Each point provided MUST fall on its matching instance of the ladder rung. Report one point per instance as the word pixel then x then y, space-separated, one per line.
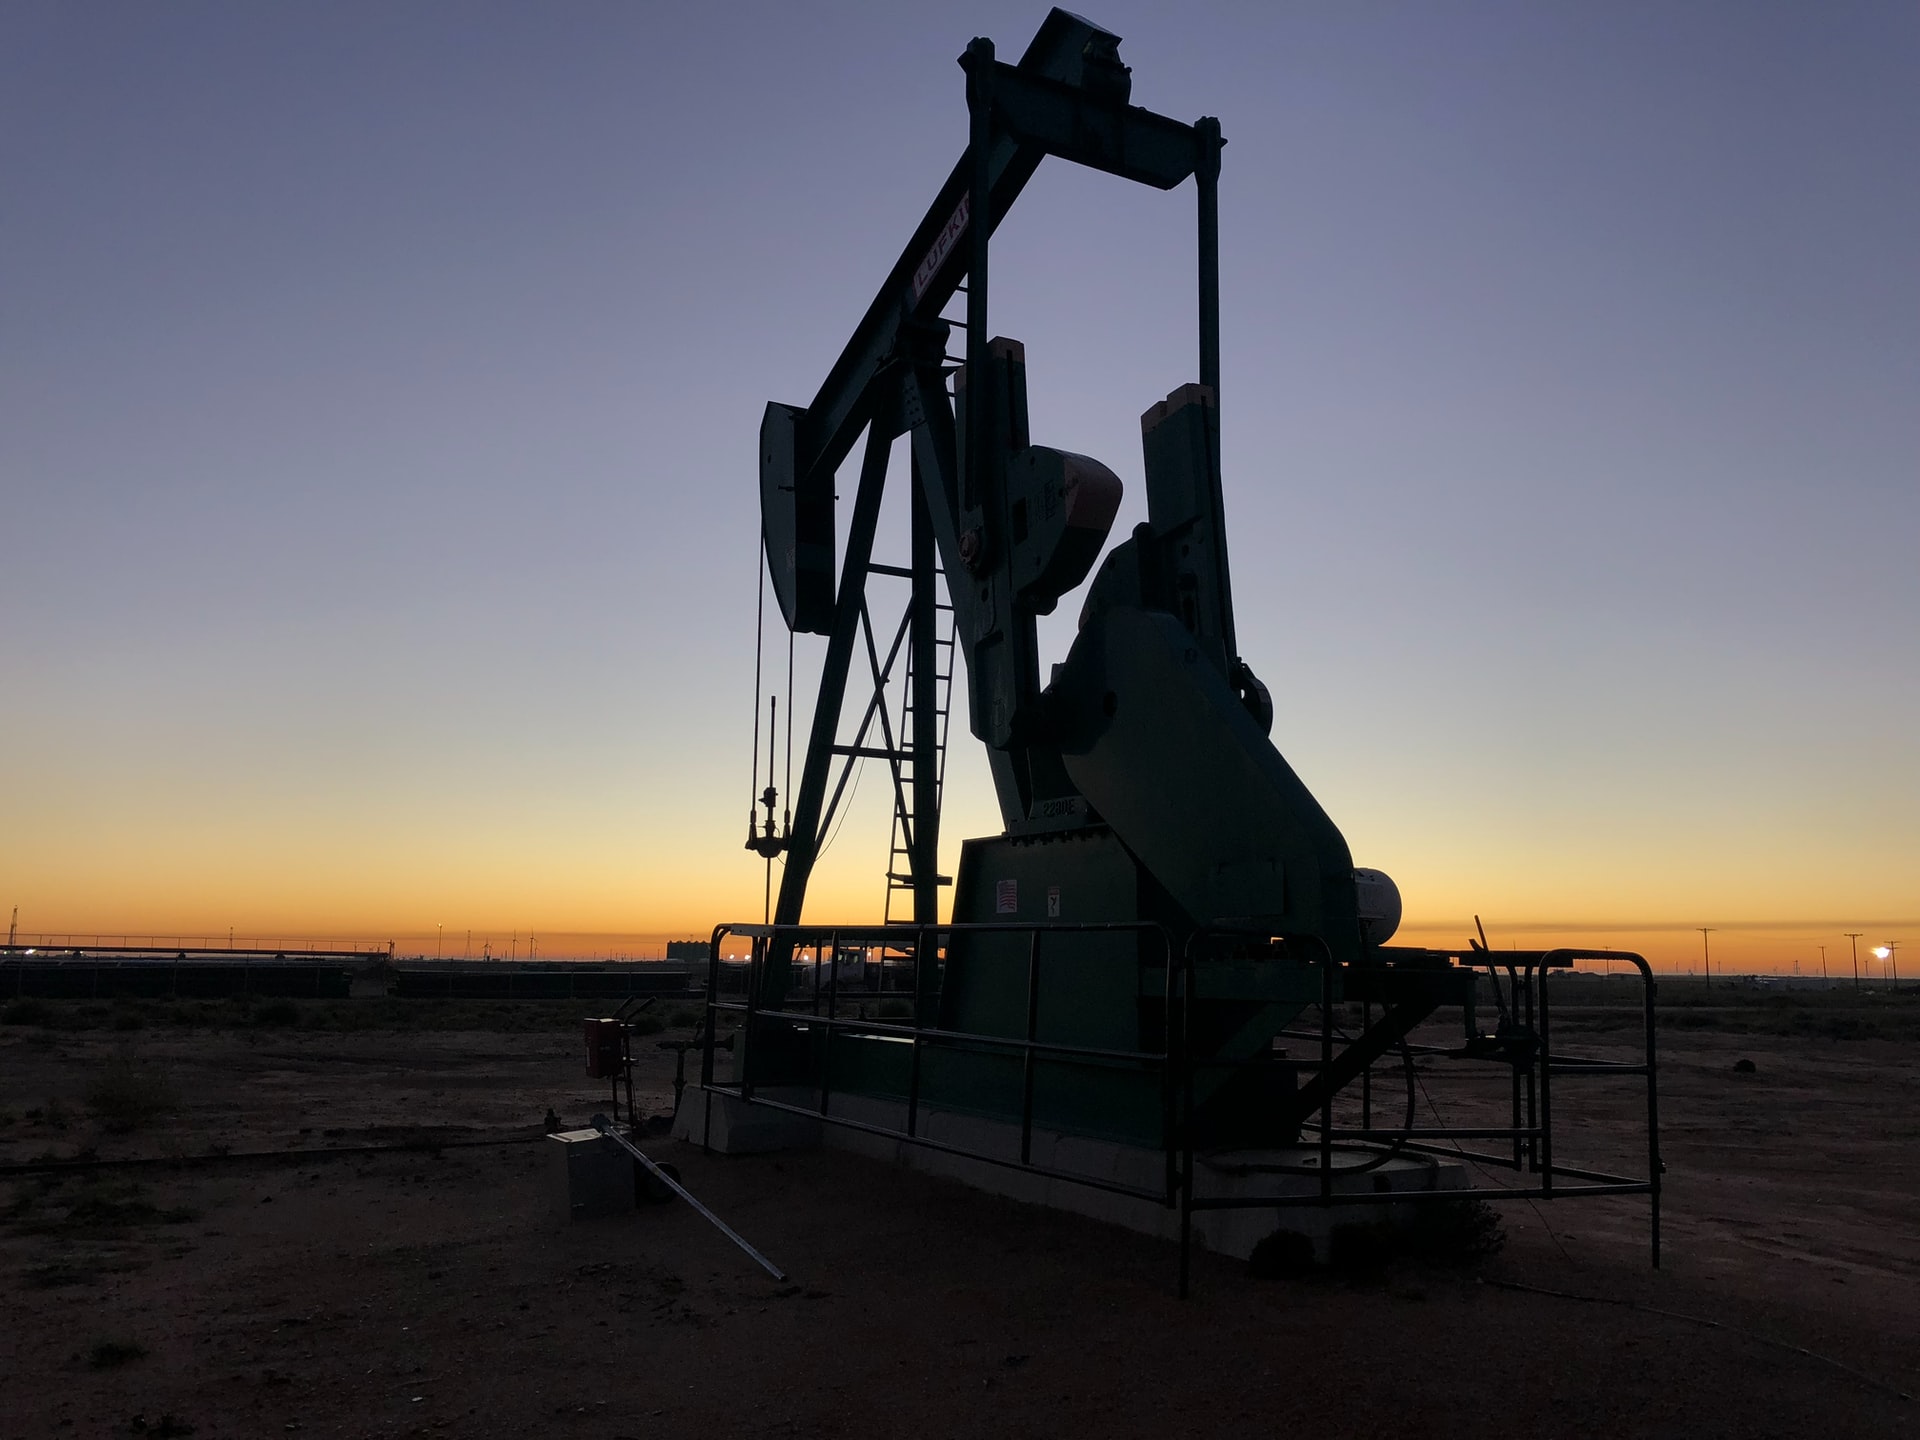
pixel 871 752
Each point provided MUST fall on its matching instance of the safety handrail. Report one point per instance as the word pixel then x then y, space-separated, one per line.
pixel 831 938
pixel 922 947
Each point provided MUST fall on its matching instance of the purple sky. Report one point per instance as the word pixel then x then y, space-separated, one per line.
pixel 379 387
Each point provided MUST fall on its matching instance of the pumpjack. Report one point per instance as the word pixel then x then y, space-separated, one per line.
pixel 1166 886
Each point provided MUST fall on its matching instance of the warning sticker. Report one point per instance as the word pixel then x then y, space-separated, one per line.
pixel 1053 902
pixel 1006 897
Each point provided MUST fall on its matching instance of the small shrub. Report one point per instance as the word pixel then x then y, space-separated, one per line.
pixel 25 1197
pixel 129 1020
pixel 123 1098
pixel 685 1017
pixel 107 1354
pixel 26 1012
pixel 1454 1232
pixel 58 1274
pixel 127 1207
pixel 645 1024
pixel 1447 1232
pixel 1283 1253
pixel 1360 1245
pixel 277 1014
pixel 1845 1027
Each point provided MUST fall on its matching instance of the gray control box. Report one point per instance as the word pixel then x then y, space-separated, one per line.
pixel 589 1175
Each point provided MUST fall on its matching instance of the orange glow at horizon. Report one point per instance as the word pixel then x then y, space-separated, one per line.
pixel 452 899
pixel 593 850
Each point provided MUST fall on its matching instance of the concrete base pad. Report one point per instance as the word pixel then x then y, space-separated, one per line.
pixel 732 1127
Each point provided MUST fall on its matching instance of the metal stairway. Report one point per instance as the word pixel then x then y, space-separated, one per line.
pixel 900 854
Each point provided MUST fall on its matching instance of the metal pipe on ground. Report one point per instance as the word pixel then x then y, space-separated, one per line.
pixel 605 1127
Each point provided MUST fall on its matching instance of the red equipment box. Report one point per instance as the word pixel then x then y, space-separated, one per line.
pixel 606 1049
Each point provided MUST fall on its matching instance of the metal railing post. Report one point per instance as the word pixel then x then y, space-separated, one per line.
pixel 1512 1019
pixel 706 1052
pixel 1546 1083
pixel 1366 1075
pixel 1653 1109
pixel 833 1012
pixel 1026 1055
pixel 1169 1133
pixel 1326 1089
pixel 921 945
pixel 744 1054
pixel 1186 1115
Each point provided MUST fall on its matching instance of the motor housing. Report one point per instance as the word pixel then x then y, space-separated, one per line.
pixel 1379 905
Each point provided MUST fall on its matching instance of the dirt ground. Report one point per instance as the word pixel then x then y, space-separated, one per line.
pixel 432 1291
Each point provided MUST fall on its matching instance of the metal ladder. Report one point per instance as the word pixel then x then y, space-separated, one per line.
pixel 899 857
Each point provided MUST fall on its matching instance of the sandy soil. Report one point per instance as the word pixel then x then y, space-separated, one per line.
pixel 432 1293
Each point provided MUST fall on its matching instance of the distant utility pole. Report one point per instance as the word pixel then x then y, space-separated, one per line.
pixel 1705 955
pixel 13 926
pixel 1823 969
pixel 439 930
pixel 1853 936
pixel 1893 959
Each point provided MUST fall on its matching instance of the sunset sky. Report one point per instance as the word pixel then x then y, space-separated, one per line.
pixel 379 389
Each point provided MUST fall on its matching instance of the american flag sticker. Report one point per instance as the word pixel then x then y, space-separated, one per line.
pixel 1006 897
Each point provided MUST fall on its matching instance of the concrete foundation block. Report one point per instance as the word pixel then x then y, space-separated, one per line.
pixel 726 1124
pixel 1237 1232
pixel 736 1128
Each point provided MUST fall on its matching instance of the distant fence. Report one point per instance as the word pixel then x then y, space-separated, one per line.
pixel 79 975
pixel 539 980
pixel 83 973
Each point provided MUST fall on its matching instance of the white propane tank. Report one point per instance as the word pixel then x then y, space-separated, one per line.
pixel 1379 905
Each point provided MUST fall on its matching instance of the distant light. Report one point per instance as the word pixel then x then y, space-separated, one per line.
pixel 1881 952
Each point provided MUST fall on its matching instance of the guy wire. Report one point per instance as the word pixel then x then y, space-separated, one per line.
pixel 759 629
pixel 787 784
